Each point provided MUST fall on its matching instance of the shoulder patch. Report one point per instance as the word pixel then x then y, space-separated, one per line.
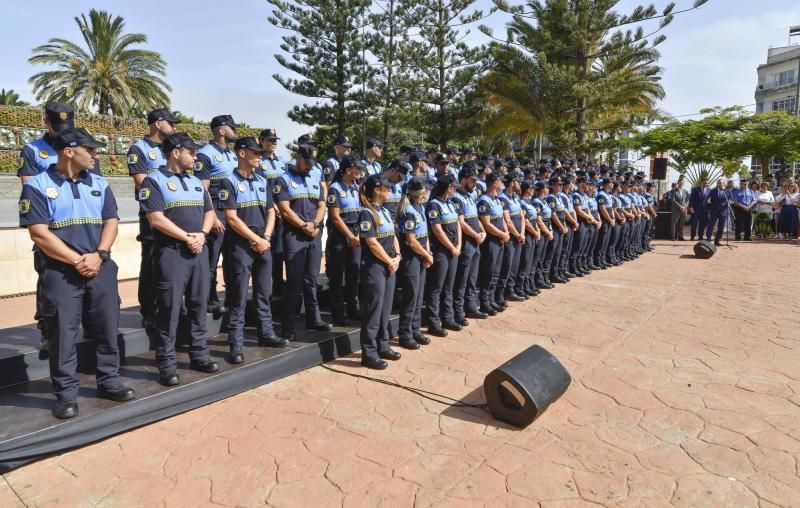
pixel 222 195
pixel 276 189
pixel 133 158
pixel 410 224
pixel 144 194
pixel 332 198
pixel 198 166
pixel 432 214
pixel 365 225
pixel 24 206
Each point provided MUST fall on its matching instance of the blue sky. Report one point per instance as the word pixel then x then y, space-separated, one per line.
pixel 220 55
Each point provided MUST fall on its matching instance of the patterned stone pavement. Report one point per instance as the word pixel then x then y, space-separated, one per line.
pixel 686 392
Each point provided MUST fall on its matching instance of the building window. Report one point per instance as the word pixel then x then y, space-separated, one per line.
pixel 784 78
pixel 788 104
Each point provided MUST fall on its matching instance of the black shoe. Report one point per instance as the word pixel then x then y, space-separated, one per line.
pixel 169 378
pixel 452 326
pixel 514 297
pixel 437 332
pixel 570 275
pixel 463 321
pixel 422 340
pixel 66 409
pixel 477 314
pixel 374 363
pixel 217 309
pixel 557 279
pixel 390 354
pixel 320 326
pixel 489 311
pixel 498 308
pixel 545 285
pixel 408 344
pixel 235 356
pixel 207 366
pixel 289 335
pixel 272 342
pixel 119 393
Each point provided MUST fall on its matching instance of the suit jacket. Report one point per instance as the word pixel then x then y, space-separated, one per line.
pixel 718 201
pixel 697 200
pixel 680 197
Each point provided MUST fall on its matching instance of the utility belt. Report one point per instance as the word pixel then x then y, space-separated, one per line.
pixel 176 245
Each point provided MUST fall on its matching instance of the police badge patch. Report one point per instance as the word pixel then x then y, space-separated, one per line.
pixel 218 158
pixel 222 195
pixel 331 198
pixel 432 214
pixel 276 189
pixel 44 154
pixel 51 192
pixel 144 194
pixel 242 187
pixel 365 225
pixel 152 155
pixel 410 224
pixel 24 206
pixel 172 186
pixel 133 158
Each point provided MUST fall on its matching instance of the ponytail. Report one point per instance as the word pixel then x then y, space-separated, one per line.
pixel 366 203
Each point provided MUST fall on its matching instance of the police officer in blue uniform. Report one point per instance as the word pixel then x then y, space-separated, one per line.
pixel 179 210
pixel 445 236
pixel 273 166
pixel 343 247
pixel 215 161
pixel 560 231
pixel 490 213
pixel 249 213
pixel 465 292
pixel 374 151
pixel 415 259
pixel 535 239
pixel 512 250
pixel 341 148
pixel 380 261
pixel 605 209
pixel 571 221
pixel 615 243
pixel 396 172
pixel 542 264
pixel 300 198
pixel 650 206
pixel 588 255
pixel 145 157
pixel 71 216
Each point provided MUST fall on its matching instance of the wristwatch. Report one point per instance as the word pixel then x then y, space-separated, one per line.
pixel 104 254
pixel 205 234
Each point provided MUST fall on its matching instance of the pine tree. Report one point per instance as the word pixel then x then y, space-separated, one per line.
pixel 326 49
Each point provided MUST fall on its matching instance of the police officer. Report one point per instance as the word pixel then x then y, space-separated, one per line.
pixel 215 161
pixel 415 259
pixel 512 250
pixel 249 213
pixel 542 263
pixel 615 241
pixel 145 157
pixel 71 216
pixel 446 247
pixel 419 167
pixel 605 209
pixel 560 231
pixel 444 167
pixel 343 248
pixel 588 255
pixel 534 240
pixel 341 147
pixel 490 213
pixel 396 172
pixel 571 220
pixel 586 222
pixel 465 291
pixel 180 212
pixel 273 166
pixel 300 198
pixel 650 206
pixel 380 260
pixel 374 151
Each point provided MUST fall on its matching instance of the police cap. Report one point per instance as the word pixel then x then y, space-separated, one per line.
pixel 161 114
pixel 177 140
pixel 307 153
pixel 417 157
pixel 249 143
pixel 400 166
pixel 60 115
pixel 374 142
pixel 72 137
pixel 416 184
pixel 268 134
pixel 343 141
pixel 468 171
pixel 493 177
pixel 373 181
pixel 441 158
pixel 220 120
pixel 349 161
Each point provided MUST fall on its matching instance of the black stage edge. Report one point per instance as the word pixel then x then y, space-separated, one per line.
pixel 28 431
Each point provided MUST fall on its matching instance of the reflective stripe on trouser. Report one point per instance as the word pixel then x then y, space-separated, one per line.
pixel 65 294
pixel 412 277
pixel 439 288
pixel 375 292
pixel 247 264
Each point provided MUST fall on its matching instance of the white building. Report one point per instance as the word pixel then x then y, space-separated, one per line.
pixel 778 86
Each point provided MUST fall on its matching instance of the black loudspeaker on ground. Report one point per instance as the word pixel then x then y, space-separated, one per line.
pixel 521 389
pixel 704 249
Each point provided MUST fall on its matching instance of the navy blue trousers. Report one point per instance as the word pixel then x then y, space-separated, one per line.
pixel 247 264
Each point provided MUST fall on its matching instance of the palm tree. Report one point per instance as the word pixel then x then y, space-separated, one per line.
pixel 10 98
pixel 109 74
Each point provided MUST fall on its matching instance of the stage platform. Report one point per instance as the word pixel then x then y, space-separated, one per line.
pixel 28 431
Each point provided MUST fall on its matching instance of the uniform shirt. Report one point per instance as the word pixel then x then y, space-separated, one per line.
pixel 373 168
pixel 648 200
pixel 466 205
pixel 412 220
pixel 625 201
pixel 480 187
pixel 556 205
pixel 745 197
pixel 513 205
pixel 579 200
pixel 492 207
pixel 180 196
pixel 392 202
pixel 542 208
pixel 347 200
pixel 370 228
pixel 73 210
pixel 272 168
pixel 250 197
pixel 302 192
pixel 144 157
pixel 603 199
pixel 329 168
pixel 593 206
pixel 617 203
pixel 531 213
pixel 215 163
pixel 37 156
pixel 443 213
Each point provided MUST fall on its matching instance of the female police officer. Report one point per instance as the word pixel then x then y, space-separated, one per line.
pixel 179 209
pixel 416 258
pixel 247 204
pixel 512 213
pixel 541 277
pixel 379 262
pixel 446 247
pixel 343 249
pixel 490 212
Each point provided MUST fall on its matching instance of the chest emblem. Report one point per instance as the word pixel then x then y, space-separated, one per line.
pixel 44 154
pixel 294 184
pixel 218 158
pixel 242 187
pixel 51 192
pixel 152 155
pixel 172 186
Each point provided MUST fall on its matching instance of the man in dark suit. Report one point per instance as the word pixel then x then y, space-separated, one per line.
pixel 719 208
pixel 680 203
pixel 698 207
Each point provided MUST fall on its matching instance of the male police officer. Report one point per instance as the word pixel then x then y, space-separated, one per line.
pixel 145 157
pixel 300 198
pixel 247 204
pixel 273 166
pixel 341 147
pixel 465 291
pixel 179 210
pixel 71 216
pixel 216 161
pixel 374 151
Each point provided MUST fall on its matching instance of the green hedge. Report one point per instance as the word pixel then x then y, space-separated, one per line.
pixel 22 124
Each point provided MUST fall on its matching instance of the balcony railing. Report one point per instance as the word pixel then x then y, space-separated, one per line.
pixel 772 85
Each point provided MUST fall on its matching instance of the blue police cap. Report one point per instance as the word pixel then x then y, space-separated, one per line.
pixel 177 140
pixel 220 120
pixel 74 136
pixel 248 143
pixel 161 114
